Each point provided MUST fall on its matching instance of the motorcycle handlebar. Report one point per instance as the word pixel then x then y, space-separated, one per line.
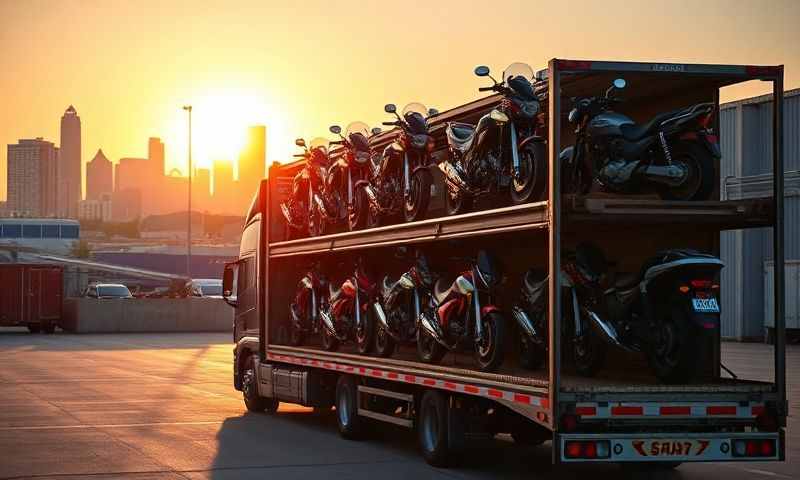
pixel 485 89
pixel 336 142
pixel 391 124
pixel 301 155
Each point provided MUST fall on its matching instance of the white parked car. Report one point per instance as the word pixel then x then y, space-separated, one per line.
pixel 207 287
pixel 108 290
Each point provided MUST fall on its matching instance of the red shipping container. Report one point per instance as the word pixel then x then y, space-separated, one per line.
pixel 31 296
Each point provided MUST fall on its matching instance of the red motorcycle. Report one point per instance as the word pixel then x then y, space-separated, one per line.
pixel 344 317
pixel 464 315
pixel 356 162
pixel 310 299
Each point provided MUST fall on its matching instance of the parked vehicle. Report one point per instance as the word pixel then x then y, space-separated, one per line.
pixel 316 203
pixel 400 182
pixel 108 291
pixel 399 304
pixel 668 311
pixel 506 149
pixel 356 161
pixel 207 287
pixel 461 313
pixel 31 295
pixel 344 314
pixel 309 300
pixel 673 153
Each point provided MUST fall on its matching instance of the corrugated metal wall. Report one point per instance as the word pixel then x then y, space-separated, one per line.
pixel 746 144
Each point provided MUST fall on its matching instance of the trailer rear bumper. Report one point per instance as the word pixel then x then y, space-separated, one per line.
pixel 670 447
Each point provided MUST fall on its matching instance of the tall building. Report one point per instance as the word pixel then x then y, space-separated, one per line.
pixel 69 177
pixel 224 191
pixel 99 176
pixel 252 159
pixel 32 174
pixel 155 153
pixel 201 189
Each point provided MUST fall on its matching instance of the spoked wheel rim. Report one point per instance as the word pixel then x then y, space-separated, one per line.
pixel 693 180
pixel 527 172
pixel 430 429
pixel 486 345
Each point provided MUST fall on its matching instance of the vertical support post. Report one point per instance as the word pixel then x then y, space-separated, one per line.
pixel 554 262
pixel 777 243
pixel 263 266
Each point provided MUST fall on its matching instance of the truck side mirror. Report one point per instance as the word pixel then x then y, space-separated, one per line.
pixel 230 279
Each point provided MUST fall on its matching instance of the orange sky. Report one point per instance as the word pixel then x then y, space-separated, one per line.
pixel 298 67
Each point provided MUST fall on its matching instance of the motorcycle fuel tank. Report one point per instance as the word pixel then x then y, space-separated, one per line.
pixel 608 124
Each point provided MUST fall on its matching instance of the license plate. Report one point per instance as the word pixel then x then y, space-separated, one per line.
pixel 670 448
pixel 705 305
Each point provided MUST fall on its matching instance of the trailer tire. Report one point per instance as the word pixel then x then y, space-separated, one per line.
pixel 347 419
pixel 433 429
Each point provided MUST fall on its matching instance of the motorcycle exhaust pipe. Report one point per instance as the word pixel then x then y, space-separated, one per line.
pixel 327 322
pixel 454 176
pixel 432 328
pixel 372 197
pixel 525 323
pixel 607 331
pixel 670 175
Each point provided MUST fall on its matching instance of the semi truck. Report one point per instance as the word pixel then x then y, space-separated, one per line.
pixel 622 414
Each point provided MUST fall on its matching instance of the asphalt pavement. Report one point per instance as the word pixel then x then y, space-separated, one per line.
pixel 162 406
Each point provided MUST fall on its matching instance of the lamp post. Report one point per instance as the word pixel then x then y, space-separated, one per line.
pixel 188 108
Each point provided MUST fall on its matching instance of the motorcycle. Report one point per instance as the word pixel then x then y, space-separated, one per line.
pixel 344 317
pixel 668 310
pixel 316 201
pixel 673 153
pixel 400 180
pixel 309 300
pixel 356 161
pixel 398 306
pixel 506 149
pixel 463 313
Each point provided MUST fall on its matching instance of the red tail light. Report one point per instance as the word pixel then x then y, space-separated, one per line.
pixel 754 448
pixel 701 284
pixel 588 449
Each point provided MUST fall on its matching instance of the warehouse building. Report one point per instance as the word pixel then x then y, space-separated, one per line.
pixel 746 144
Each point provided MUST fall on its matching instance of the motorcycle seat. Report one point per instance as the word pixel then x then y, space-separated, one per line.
pixel 460 135
pixel 625 281
pixel 633 131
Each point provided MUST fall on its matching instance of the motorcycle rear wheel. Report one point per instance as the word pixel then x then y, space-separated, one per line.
pixel 428 349
pixel 415 205
pixel 699 184
pixel 531 356
pixel 588 353
pixel 679 347
pixel 490 352
pixel 532 184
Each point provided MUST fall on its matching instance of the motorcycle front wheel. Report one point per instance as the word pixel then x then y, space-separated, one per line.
pixel 428 349
pixel 588 353
pixel 316 223
pixel 384 343
pixel 357 217
pixel 699 183
pixel 329 342
pixel 416 203
pixel 490 349
pixel 365 334
pixel 458 203
pixel 531 185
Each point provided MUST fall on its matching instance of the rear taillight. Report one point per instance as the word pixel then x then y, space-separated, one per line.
pixel 701 284
pixel 587 449
pixel 754 447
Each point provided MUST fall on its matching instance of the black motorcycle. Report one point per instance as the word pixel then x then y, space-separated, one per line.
pixel 673 153
pixel 400 181
pixel 310 298
pixel 461 313
pixel 356 162
pixel 506 149
pixel 399 304
pixel 668 310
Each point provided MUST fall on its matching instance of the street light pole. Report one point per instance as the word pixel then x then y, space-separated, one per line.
pixel 188 108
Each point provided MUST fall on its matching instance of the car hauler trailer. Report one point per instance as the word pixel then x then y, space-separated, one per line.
pixel 622 414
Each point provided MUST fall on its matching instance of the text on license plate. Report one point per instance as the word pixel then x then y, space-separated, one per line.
pixel 670 448
pixel 705 305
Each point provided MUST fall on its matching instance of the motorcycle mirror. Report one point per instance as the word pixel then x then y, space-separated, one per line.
pixel 432 112
pixel 376 130
pixel 620 83
pixel 335 129
pixel 300 142
pixel 482 71
pixel 390 108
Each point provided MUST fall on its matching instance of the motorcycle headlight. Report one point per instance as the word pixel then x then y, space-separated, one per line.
pixel 573 115
pixel 419 141
pixel 529 109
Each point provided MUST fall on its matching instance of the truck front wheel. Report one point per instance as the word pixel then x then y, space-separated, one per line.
pixel 252 400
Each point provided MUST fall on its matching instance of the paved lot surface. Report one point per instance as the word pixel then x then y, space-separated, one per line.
pixel 163 407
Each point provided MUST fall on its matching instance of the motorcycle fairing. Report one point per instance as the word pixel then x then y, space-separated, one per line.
pixel 454 306
pixel 671 260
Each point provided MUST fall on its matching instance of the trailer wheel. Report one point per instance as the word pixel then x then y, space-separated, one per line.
pixel 252 400
pixel 432 428
pixel 347 419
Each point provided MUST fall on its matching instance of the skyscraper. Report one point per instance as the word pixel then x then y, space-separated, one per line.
pixel 32 166
pixel 155 153
pixel 223 186
pixel 69 177
pixel 252 160
pixel 99 176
